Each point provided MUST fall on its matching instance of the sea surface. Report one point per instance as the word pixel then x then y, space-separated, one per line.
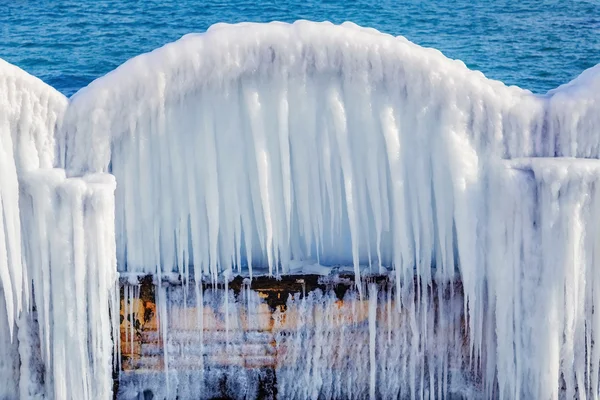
pixel 535 44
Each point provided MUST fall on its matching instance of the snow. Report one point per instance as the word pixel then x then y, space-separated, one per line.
pixel 277 148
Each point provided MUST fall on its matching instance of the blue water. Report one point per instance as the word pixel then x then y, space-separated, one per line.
pixel 535 44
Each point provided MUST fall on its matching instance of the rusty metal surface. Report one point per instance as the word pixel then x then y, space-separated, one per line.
pixel 208 339
pixel 250 338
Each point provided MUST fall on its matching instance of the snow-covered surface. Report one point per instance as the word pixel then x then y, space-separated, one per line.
pixel 269 145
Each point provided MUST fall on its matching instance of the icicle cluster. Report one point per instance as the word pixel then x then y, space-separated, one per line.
pixel 303 142
pixel 57 255
pixel 254 147
pixel 317 346
pixel 29 112
pixel 544 276
pixel 68 227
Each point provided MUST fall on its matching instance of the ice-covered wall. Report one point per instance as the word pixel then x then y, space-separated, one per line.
pixel 327 344
pixel 543 278
pixel 255 147
pixel 57 255
pixel 29 113
pixel 263 144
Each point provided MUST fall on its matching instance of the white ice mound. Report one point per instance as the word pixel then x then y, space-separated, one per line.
pixel 262 144
pixel 543 278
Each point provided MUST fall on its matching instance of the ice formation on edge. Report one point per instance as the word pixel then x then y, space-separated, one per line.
pixel 544 259
pixel 319 347
pixel 257 146
pixel 57 255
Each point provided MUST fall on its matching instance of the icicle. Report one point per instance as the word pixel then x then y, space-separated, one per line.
pixel 200 320
pixel 372 337
pixel 161 303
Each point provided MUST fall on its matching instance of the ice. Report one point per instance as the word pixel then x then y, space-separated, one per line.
pixel 69 229
pixel 319 144
pixel 317 346
pixel 307 147
pixel 309 142
pixel 326 349
pixel 29 114
pixel 372 339
pixel 9 362
pixel 45 222
pixel 543 277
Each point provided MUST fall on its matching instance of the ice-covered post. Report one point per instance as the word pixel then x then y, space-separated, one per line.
pixel 70 251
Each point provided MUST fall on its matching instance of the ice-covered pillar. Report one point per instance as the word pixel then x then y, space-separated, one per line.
pixel 9 360
pixel 30 111
pixel 544 277
pixel 70 252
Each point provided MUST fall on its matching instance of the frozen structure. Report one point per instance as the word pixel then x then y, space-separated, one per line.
pixel 257 148
pixel 57 255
